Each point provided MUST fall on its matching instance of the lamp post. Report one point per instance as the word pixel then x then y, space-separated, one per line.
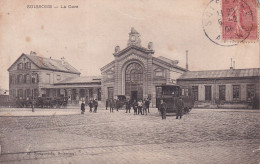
pixel 32 75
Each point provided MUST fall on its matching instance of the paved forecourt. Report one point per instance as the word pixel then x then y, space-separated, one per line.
pixel 203 136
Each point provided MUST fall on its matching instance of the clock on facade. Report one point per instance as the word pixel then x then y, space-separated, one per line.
pixel 133 38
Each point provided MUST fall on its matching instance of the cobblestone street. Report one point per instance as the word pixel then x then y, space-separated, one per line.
pixel 202 136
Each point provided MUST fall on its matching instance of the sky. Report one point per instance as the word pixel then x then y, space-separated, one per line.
pixel 86 36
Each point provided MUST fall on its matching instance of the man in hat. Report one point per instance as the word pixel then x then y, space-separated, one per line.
pixel 180 106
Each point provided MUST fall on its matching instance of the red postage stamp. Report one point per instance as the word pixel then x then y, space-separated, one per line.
pixel 239 20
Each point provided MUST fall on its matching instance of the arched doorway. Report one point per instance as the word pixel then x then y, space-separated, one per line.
pixel 134 81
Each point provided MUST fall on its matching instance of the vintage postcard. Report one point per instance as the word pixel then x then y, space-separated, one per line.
pixel 129 81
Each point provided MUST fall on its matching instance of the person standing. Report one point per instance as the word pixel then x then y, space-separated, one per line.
pixel 144 108
pixel 117 104
pixel 135 105
pixel 82 107
pixel 140 105
pixel 107 103
pixel 179 106
pixel 95 103
pixel 90 105
pixel 112 104
pixel 128 106
pixel 163 108
pixel 147 104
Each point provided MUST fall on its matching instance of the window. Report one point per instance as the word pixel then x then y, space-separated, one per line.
pixel 222 92
pixel 82 93
pixel 236 92
pixel 158 72
pixel 58 77
pixel 11 80
pixel 48 78
pixel 20 93
pixel 27 65
pixel 195 92
pixel 99 94
pixel 90 93
pixel 27 93
pixel 35 78
pixel 250 92
pixel 13 94
pixel 27 79
pixel 208 93
pixel 19 79
pixel 182 92
pixel 20 66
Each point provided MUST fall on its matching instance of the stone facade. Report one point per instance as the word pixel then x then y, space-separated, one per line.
pixel 146 72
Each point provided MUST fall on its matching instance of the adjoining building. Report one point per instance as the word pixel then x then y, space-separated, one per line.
pixel 232 88
pixel 36 76
pixel 135 72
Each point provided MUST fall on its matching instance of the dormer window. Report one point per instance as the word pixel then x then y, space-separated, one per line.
pixel 27 65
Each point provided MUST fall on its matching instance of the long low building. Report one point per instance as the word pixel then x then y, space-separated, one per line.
pixel 33 75
pixel 232 88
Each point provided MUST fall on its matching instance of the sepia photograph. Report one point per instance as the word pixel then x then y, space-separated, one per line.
pixel 130 81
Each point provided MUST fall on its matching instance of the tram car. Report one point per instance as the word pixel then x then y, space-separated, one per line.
pixel 171 93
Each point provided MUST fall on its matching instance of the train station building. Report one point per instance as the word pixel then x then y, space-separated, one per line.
pixel 135 72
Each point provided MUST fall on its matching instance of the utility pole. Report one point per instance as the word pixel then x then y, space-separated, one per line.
pixel 32 93
pixel 187 66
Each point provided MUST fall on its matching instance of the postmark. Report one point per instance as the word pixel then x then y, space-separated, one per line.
pixel 229 22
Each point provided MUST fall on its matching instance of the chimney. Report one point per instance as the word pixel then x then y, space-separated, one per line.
pixel 62 60
pixel 231 64
pixel 187 66
pixel 33 53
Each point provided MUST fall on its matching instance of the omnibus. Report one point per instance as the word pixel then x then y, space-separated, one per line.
pixel 171 93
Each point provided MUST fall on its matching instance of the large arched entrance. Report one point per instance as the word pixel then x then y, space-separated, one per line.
pixel 134 81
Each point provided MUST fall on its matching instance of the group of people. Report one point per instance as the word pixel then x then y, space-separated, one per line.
pixel 92 104
pixel 179 106
pixel 140 107
pixel 113 103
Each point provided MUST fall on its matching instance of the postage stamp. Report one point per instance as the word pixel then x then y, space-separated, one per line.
pixel 239 20
pixel 229 22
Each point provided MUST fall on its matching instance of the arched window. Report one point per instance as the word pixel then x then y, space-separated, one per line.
pixel 134 81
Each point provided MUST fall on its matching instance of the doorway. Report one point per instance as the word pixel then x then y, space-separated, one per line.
pixel 133 95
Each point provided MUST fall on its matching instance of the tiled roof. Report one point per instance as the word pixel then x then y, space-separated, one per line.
pixel 80 80
pixel 212 74
pixel 52 64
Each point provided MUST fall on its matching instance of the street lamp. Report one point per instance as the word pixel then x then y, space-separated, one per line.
pixel 32 76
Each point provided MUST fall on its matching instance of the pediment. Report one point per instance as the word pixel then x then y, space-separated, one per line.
pixel 133 48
